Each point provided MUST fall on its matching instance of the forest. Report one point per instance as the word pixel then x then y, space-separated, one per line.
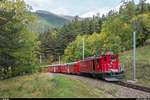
pixel 113 30
pixel 20 47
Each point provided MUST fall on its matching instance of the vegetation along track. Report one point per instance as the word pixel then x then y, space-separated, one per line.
pixel 134 86
pixel 122 84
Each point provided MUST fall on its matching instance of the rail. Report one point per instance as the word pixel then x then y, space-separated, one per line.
pixel 134 86
pixel 128 85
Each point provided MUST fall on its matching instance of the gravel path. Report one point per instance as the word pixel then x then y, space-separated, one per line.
pixel 111 90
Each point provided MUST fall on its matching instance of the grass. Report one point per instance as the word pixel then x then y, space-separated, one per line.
pixel 142 64
pixel 112 92
pixel 46 85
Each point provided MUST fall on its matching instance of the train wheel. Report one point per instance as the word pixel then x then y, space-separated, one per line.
pixel 79 74
pixel 94 76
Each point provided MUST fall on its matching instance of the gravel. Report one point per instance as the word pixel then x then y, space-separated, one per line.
pixel 110 89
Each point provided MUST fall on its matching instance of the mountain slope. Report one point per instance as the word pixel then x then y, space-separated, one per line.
pixel 54 19
pixel 142 64
pixel 47 20
pixel 71 17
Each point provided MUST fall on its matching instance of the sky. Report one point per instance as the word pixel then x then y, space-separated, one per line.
pixel 82 8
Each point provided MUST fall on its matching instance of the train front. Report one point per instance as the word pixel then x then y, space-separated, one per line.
pixel 112 71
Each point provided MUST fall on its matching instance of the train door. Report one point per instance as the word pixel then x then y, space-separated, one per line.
pixel 105 64
pixel 54 68
pixel 68 68
pixel 93 65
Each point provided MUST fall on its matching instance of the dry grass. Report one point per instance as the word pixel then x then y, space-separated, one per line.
pixel 46 85
pixel 142 64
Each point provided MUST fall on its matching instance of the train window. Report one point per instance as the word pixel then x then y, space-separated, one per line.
pixel 97 61
pixel 113 59
pixel 105 59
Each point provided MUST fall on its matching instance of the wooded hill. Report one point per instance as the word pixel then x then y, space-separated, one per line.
pixel 46 20
pixel 111 31
pixel 20 46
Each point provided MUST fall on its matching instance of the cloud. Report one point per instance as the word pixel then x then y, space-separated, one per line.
pixel 147 1
pixel 38 4
pixel 93 13
pixel 101 11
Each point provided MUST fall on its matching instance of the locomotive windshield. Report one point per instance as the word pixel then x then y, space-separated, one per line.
pixel 113 59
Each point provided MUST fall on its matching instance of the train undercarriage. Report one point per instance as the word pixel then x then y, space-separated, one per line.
pixel 108 76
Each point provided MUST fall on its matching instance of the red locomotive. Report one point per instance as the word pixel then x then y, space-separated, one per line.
pixel 104 66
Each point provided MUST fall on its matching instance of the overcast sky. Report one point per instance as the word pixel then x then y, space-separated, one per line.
pixel 82 8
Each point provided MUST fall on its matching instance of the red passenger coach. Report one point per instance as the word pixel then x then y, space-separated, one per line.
pixel 54 68
pixel 57 68
pixel 73 68
pixel 104 66
pixel 64 68
pixel 48 68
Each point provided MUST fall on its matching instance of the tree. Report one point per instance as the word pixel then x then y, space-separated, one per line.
pixel 18 45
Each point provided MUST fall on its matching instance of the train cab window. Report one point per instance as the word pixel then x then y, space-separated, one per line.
pixel 105 59
pixel 113 59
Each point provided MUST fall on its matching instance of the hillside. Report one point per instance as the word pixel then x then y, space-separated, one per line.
pixel 48 20
pixel 46 85
pixel 72 17
pixel 142 64
pixel 54 19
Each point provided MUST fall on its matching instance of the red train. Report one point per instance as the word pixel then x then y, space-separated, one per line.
pixel 104 66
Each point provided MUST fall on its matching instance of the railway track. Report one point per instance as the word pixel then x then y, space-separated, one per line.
pixel 128 85
pixel 134 86
pixel 111 89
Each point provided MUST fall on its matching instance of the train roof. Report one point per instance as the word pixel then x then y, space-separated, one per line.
pixel 96 57
pixel 89 58
pixel 51 65
pixel 70 63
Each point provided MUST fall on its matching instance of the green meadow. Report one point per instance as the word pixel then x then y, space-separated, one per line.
pixel 46 85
